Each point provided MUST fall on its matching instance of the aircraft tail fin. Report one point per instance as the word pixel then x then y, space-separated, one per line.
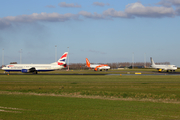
pixel 87 63
pixel 63 58
pixel 152 62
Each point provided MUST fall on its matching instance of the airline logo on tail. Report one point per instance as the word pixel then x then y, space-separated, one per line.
pixel 63 58
pixel 87 63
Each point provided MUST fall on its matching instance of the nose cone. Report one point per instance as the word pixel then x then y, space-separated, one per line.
pixel 108 67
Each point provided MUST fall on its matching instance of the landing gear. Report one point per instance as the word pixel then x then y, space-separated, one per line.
pixel 171 71
pixel 35 72
pixel 7 73
pixel 100 69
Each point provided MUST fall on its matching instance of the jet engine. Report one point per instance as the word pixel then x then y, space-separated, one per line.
pixel 25 70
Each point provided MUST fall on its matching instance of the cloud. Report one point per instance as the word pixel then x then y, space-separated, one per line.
pixel 90 15
pixel 71 5
pixel 113 13
pixel 132 10
pixel 178 11
pixel 51 6
pixel 169 3
pixel 97 52
pixel 139 10
pixel 100 4
pixel 35 17
pixel 4 24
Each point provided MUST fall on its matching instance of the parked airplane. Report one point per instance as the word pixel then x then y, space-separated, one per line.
pixel 163 67
pixel 97 67
pixel 35 68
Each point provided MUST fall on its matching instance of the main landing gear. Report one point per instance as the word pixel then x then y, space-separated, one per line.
pixel 35 72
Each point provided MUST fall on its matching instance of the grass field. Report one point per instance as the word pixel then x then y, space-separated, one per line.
pixel 89 97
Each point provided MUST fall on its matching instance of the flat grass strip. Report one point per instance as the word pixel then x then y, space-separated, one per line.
pixel 128 87
pixel 68 108
pixel 90 97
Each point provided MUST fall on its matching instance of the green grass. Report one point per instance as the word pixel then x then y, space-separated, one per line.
pixel 101 97
pixel 150 87
pixel 45 108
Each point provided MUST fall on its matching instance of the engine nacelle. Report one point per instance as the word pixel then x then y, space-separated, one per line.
pixel 65 65
pixel 24 70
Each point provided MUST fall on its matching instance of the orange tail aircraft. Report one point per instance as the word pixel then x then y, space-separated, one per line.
pixel 97 67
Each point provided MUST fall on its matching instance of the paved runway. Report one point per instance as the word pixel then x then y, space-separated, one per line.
pixel 46 74
pixel 143 74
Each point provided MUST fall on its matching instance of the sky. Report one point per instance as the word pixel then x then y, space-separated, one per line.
pixel 104 31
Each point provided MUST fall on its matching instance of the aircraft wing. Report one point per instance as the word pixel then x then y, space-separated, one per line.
pixel 32 69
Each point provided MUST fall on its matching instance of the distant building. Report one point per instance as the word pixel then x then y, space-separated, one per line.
pixel 130 67
pixel 13 62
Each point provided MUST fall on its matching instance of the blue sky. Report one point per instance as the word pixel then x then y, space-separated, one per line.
pixel 104 31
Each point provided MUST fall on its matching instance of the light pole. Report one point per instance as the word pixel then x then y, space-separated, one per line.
pixel 68 59
pixel 2 57
pixel 145 60
pixel 20 56
pixel 55 53
pixel 133 60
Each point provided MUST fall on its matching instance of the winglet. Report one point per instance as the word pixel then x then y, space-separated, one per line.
pixel 87 63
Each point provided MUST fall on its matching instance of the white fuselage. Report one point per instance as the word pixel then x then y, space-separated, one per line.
pixel 38 67
pixel 101 67
pixel 164 67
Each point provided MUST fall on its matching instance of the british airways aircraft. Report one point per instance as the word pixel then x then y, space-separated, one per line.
pixel 97 67
pixel 35 68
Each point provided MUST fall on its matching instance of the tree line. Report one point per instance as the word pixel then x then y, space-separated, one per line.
pixel 118 65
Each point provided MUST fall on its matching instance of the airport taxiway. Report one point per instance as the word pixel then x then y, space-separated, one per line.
pixel 155 74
